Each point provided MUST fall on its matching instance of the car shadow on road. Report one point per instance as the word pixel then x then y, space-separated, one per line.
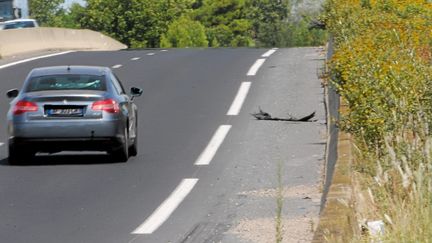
pixel 61 159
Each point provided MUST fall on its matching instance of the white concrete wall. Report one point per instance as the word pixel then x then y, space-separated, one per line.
pixel 19 41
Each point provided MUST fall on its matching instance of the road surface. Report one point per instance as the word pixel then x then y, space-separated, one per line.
pixel 206 171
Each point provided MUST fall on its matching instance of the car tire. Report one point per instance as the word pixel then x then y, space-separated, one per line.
pixel 121 154
pixel 19 156
pixel 133 149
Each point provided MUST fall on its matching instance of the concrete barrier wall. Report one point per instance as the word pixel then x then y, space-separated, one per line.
pixel 19 41
pixel 338 219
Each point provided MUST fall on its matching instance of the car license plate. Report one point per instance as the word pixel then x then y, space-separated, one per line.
pixel 65 112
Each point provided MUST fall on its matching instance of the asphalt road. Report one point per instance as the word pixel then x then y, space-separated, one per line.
pixel 187 94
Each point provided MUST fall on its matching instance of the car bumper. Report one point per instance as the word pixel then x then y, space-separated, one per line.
pixel 67 129
pixel 67 135
pixel 75 144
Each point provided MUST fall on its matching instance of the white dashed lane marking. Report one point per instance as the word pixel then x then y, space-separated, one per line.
pixel 117 66
pixel 254 69
pixel 164 211
pixel 269 53
pixel 239 99
pixel 135 58
pixel 210 151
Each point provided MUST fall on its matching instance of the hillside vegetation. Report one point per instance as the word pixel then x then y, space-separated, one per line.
pixel 190 23
pixel 382 69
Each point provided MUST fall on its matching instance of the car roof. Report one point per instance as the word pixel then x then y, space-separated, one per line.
pixel 58 70
pixel 19 20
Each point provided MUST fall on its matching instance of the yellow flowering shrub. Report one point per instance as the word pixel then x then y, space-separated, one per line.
pixel 382 61
pixel 382 68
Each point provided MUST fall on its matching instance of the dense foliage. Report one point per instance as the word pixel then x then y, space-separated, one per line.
pixel 184 32
pixel 382 62
pixel 382 69
pixel 186 23
pixel 45 11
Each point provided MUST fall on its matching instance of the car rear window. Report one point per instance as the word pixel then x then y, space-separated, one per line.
pixel 19 25
pixel 66 82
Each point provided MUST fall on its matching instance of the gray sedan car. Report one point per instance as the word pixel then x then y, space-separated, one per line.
pixel 72 108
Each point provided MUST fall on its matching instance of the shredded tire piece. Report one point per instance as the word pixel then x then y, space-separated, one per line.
pixel 261 115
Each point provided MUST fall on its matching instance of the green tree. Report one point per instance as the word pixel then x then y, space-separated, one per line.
pixel 270 20
pixel 137 23
pixel 152 23
pixel 71 18
pixel 185 32
pixel 45 11
pixel 300 33
pixel 225 21
pixel 173 9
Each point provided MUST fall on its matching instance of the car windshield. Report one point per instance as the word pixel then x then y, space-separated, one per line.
pixel 66 82
pixel 19 25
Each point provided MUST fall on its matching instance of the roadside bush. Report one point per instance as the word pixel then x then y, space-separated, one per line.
pixel 382 59
pixel 381 68
pixel 184 32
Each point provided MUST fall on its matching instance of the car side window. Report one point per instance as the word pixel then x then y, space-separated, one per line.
pixel 117 84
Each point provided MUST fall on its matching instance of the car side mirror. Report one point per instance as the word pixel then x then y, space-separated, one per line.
pixel 12 93
pixel 135 92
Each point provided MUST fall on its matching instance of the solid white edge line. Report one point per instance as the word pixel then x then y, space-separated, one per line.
pixel 117 66
pixel 269 53
pixel 239 99
pixel 210 151
pixel 34 58
pixel 164 211
pixel 254 69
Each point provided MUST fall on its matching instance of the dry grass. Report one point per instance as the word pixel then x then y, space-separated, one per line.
pixel 400 189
